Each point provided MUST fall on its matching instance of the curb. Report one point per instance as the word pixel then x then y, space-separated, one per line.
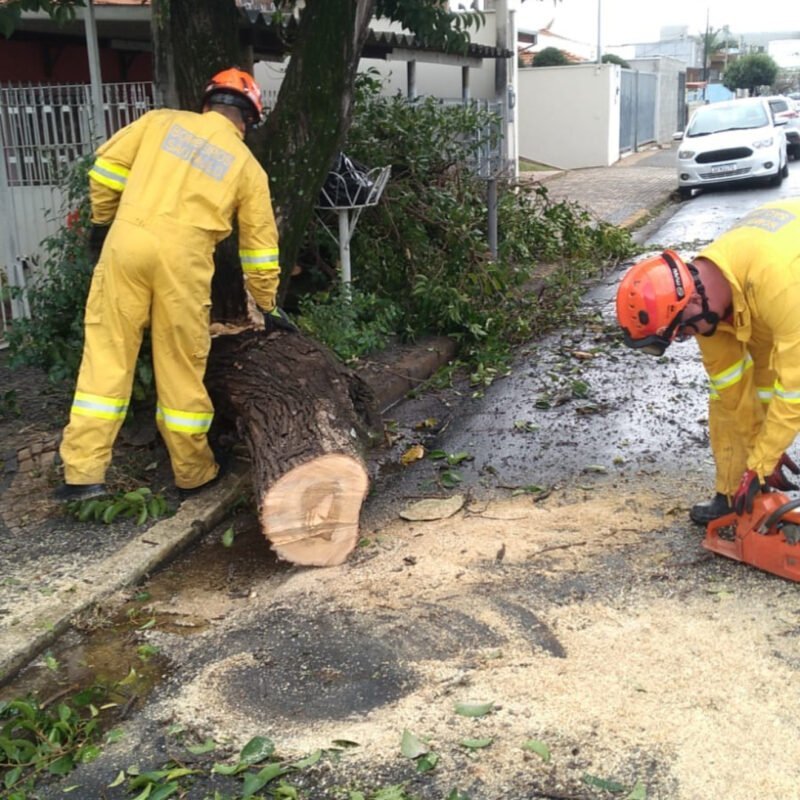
pixel 149 550
pixel 23 642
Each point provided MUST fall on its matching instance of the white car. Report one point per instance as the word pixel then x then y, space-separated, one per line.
pixel 731 142
pixel 785 108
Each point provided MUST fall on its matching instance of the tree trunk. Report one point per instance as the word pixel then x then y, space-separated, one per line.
pixel 192 40
pixel 305 418
pixel 305 130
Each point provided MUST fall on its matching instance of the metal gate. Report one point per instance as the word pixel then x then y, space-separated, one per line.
pixel 43 131
pixel 637 109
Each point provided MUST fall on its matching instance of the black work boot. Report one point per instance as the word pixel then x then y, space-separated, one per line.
pixel 79 491
pixel 703 513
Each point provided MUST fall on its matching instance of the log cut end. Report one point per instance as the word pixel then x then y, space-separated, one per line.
pixel 310 514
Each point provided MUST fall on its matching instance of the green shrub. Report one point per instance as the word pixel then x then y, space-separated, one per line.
pixel 424 248
pixel 350 322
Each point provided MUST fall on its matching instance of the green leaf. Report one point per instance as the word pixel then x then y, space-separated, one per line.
pixel 228 769
pixel 601 783
pixel 227 537
pixel 198 749
pixel 450 478
pixel 394 792
pixel 258 749
pixel 308 761
pixel 118 780
pixel 162 792
pixel 475 744
pixel 61 766
pixel 639 792
pixel 427 762
pixel 145 793
pixel 540 748
pixel 411 746
pixel 255 781
pixel 114 735
pixel 473 709
pixel 12 776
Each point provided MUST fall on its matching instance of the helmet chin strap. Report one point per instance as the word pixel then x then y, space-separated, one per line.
pixel 706 315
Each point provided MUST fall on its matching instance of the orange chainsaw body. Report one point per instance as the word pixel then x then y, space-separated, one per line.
pixel 764 538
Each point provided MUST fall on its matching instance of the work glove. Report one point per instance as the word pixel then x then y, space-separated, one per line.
pixel 778 480
pixel 278 320
pixel 749 487
pixel 97 236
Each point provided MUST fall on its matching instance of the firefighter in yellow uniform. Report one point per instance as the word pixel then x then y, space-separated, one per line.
pixel 740 298
pixel 171 183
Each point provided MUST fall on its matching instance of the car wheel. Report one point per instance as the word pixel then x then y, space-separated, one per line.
pixel 785 170
pixel 685 192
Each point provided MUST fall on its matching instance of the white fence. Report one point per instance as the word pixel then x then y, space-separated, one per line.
pixel 43 131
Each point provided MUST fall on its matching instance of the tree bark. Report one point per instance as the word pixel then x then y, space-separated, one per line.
pixel 191 42
pixel 306 420
pixel 305 130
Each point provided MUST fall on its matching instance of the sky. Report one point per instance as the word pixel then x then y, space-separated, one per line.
pixel 635 21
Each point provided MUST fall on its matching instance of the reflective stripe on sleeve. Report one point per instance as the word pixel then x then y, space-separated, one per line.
pixel 185 421
pixel 95 405
pixel 109 174
pixel 764 394
pixel 785 395
pixel 733 374
pixel 259 260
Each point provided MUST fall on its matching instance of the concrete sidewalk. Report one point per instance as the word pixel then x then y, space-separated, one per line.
pixel 54 572
pixel 623 194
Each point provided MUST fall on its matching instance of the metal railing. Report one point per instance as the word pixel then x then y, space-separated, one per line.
pixel 44 129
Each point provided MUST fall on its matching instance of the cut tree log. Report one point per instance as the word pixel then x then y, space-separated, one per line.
pixel 306 419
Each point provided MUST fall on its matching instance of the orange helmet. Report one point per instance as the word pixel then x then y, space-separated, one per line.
pixel 236 87
pixel 650 299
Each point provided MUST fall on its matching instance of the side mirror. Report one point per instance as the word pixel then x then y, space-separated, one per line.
pixel 677 136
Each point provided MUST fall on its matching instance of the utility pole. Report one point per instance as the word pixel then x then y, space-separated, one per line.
pixel 99 132
pixel 705 59
pixel 599 31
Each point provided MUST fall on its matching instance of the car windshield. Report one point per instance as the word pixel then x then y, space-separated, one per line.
pixel 728 118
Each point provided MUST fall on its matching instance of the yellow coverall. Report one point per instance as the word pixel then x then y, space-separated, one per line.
pixel 171 182
pixel 753 364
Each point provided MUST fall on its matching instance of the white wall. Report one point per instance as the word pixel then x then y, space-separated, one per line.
pixel 568 117
pixel 438 80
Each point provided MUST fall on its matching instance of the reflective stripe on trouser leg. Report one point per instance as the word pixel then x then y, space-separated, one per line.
pixel 181 342
pixel 112 341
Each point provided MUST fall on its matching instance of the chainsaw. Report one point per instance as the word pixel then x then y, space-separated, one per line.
pixel 767 538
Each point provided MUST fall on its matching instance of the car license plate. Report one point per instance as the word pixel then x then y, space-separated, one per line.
pixel 721 169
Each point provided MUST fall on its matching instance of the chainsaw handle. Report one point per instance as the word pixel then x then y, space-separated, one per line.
pixel 776 515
